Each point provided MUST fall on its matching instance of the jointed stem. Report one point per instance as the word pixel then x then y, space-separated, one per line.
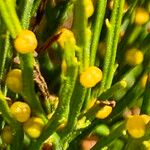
pixel 112 41
pixel 81 33
pixel 3 56
pixel 76 104
pixel 12 13
pixel 7 18
pixel 27 14
pixel 96 28
pixel 61 114
pixel 29 94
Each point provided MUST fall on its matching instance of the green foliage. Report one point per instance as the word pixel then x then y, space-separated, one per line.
pixel 51 75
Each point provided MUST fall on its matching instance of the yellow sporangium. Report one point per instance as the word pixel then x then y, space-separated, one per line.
pixel 89 8
pixel 66 35
pixel 33 127
pixel 14 80
pixel 90 77
pixel 146 118
pixel 144 80
pixel 25 42
pixel 134 57
pixel 141 16
pixel 20 111
pixel 136 126
pixel 104 112
pixel 7 135
pixel 147 144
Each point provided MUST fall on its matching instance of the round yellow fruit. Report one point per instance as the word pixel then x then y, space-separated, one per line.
pixel 14 80
pixel 141 16
pixel 104 112
pixel 20 111
pixel 136 126
pixel 89 8
pixel 7 135
pixel 134 57
pixel 33 127
pixel 66 35
pixel 90 77
pixel 25 42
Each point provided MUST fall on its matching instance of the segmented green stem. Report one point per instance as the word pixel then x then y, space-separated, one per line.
pixel 27 14
pixel 129 98
pixel 97 27
pixel 76 104
pixel 61 113
pixel 13 15
pixel 133 144
pixel 3 56
pixel 29 94
pixel 110 92
pixel 7 19
pixel 112 42
pixel 55 139
pixel 35 7
pixel 81 33
pixel 67 137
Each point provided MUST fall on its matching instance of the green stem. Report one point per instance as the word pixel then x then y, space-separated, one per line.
pixel 76 104
pixel 7 19
pixel 133 36
pixel 3 56
pixel 66 93
pixel 129 98
pixel 29 94
pixel 96 28
pixel 12 12
pixel 80 22
pixel 27 14
pixel 80 31
pixel 86 49
pixel 56 141
pixel 4 109
pixel 87 99
pixel 133 144
pixel 61 113
pixel 16 127
pixel 35 7
pixel 71 134
pixel 111 91
pixel 112 41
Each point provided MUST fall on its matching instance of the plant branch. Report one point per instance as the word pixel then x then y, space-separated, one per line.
pixel 112 42
pixel 97 27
